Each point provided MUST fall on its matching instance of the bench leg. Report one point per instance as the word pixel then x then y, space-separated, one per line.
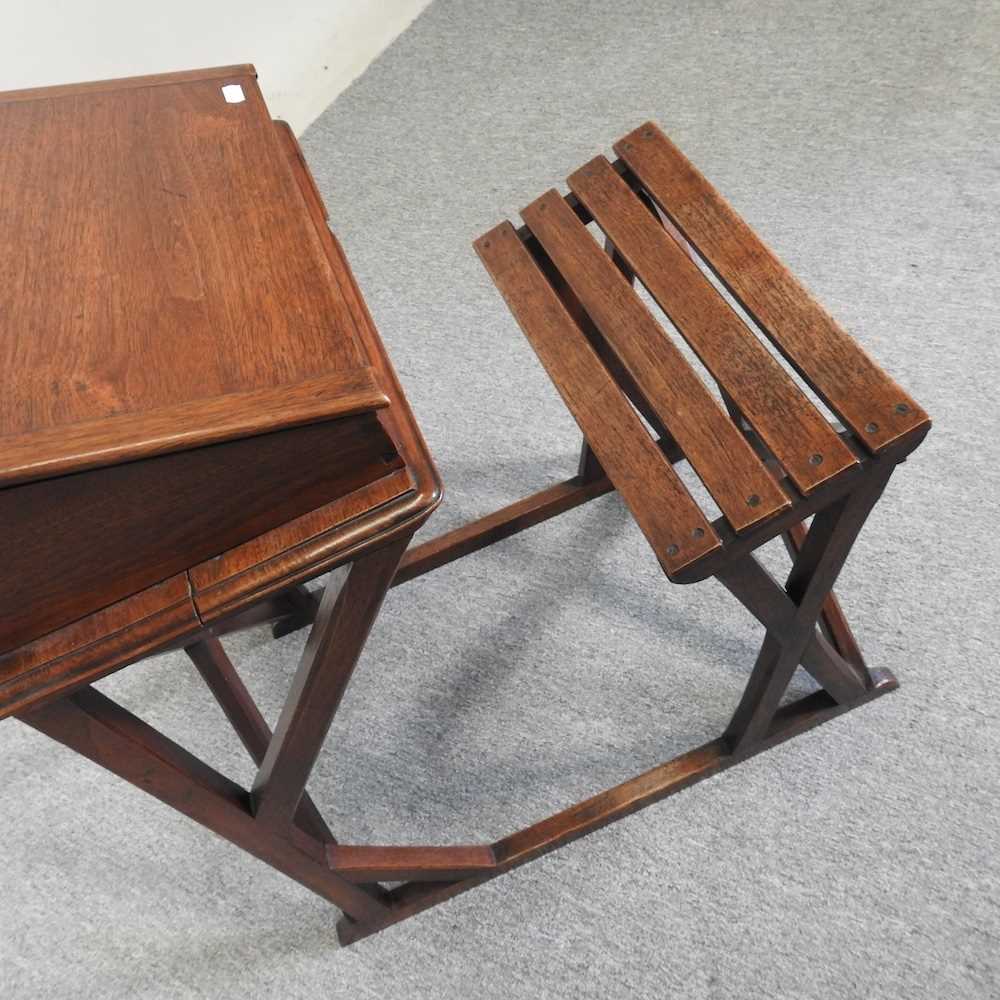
pixel 770 604
pixel 832 618
pixel 833 621
pixel 824 551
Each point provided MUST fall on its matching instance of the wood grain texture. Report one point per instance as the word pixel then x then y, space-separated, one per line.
pixel 302 548
pixel 797 433
pixel 96 524
pixel 58 450
pixel 96 645
pixel 397 418
pixel 372 863
pixel 115 531
pixel 615 368
pixel 128 83
pixel 717 451
pixel 864 397
pixel 154 252
pixel 674 525
pixel 347 527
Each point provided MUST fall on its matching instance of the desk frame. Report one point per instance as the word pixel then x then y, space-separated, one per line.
pixel 276 821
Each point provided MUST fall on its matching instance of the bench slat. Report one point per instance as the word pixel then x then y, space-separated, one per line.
pixel 717 451
pixel 670 519
pixel 797 433
pixel 868 401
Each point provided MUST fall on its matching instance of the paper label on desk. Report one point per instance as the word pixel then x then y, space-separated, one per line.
pixel 233 93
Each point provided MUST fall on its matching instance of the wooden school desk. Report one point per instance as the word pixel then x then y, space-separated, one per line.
pixel 198 417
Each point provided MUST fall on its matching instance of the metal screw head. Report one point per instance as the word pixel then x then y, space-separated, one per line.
pixel 902 408
pixel 672 550
pixel 816 459
pixel 486 244
pixel 871 428
pixel 648 133
pixel 627 145
pixel 698 533
pixel 753 500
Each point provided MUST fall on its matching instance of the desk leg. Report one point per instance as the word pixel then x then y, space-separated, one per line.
pixel 819 561
pixel 306 606
pixel 276 822
pixel 244 716
pixel 335 643
pixel 101 730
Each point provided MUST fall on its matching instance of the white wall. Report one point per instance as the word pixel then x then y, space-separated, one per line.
pixel 306 51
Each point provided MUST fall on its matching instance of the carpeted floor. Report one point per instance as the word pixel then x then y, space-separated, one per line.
pixel 861 860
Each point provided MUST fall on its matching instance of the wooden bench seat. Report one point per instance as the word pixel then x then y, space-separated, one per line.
pixel 553 270
pixel 747 412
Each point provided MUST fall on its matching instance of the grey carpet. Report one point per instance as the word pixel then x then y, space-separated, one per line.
pixel 859 861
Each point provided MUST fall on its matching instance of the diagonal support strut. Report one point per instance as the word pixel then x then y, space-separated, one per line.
pixel 342 625
pixel 823 554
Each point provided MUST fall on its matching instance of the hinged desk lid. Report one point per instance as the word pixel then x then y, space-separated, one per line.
pixel 161 283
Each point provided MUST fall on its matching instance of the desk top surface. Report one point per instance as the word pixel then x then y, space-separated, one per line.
pixel 163 285
pixel 197 410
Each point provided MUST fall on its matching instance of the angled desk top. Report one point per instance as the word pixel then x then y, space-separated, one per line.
pixel 197 410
